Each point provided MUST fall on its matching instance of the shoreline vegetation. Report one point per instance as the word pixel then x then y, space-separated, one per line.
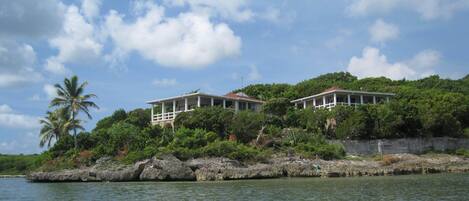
pixel 429 107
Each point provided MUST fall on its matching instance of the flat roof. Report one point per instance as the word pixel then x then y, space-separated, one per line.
pixel 342 91
pixel 248 99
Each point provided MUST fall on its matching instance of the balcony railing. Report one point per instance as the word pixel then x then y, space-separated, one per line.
pixel 167 116
pixel 331 105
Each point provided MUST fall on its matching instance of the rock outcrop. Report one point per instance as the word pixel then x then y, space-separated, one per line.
pixel 209 169
pixel 169 168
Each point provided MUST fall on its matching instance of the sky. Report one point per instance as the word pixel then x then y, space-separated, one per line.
pixel 134 51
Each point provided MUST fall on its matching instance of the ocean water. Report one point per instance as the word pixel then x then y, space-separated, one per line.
pixel 409 187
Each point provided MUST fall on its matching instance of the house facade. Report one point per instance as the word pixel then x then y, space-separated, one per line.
pixel 164 111
pixel 336 96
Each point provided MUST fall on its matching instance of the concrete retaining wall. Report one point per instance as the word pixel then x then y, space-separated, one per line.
pixel 403 145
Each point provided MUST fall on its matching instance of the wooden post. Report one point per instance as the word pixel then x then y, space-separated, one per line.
pixel 349 101
pixel 186 105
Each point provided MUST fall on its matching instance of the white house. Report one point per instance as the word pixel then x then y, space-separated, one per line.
pixel 164 111
pixel 335 96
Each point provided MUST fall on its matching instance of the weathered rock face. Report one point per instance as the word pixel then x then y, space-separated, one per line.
pixel 209 169
pixel 167 168
pixel 104 170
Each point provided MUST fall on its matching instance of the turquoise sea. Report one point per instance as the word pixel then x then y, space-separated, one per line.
pixel 409 187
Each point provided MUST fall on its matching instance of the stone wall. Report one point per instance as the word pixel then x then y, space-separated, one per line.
pixel 403 145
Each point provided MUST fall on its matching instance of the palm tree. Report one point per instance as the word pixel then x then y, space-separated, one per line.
pixel 71 98
pixel 56 125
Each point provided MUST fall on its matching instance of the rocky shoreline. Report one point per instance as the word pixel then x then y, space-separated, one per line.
pixel 169 168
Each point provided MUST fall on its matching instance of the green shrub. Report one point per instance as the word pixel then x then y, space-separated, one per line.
pixel 246 125
pixel 215 119
pixel 462 152
pixel 231 150
pixel 190 138
pixel 324 151
pixel 277 106
pixel 273 131
pixel 466 133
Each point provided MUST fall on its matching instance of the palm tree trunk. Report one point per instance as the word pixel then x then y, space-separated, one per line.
pixel 74 130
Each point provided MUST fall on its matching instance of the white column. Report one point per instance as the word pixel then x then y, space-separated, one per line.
pixel 335 99
pixel 198 101
pixel 174 109
pixel 224 103
pixel 211 101
pixel 374 99
pixel 304 104
pixel 324 101
pixel 314 102
pixel 236 106
pixel 361 99
pixel 152 107
pixel 296 105
pixel 186 105
pixel 162 110
pixel 387 99
pixel 349 100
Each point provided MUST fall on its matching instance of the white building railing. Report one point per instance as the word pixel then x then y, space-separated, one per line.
pixel 331 105
pixel 167 116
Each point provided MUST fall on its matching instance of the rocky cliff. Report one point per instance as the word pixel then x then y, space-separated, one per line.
pixel 169 168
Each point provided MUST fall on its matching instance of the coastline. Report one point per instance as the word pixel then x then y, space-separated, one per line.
pixel 12 176
pixel 169 168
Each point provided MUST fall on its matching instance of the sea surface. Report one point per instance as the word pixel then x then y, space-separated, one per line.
pixel 409 187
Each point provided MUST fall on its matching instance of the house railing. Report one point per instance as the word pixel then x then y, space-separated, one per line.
pixel 331 105
pixel 167 116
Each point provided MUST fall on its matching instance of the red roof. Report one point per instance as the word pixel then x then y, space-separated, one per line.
pixel 332 89
pixel 241 95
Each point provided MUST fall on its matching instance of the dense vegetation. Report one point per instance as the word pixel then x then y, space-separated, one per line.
pixel 422 108
pixel 18 164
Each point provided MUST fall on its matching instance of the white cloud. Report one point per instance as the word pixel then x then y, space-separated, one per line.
pixel 28 18
pixel 235 10
pixel 165 82
pixel 50 91
pixel 381 31
pixel 5 109
pixel 425 59
pixel 189 40
pixel 254 73
pixel 90 8
pixel 54 66
pixel 10 119
pixel 16 64
pixel 373 64
pixel 427 9
pixel 77 42
pixel 25 143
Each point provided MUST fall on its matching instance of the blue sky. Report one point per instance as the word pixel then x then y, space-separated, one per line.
pixel 134 51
